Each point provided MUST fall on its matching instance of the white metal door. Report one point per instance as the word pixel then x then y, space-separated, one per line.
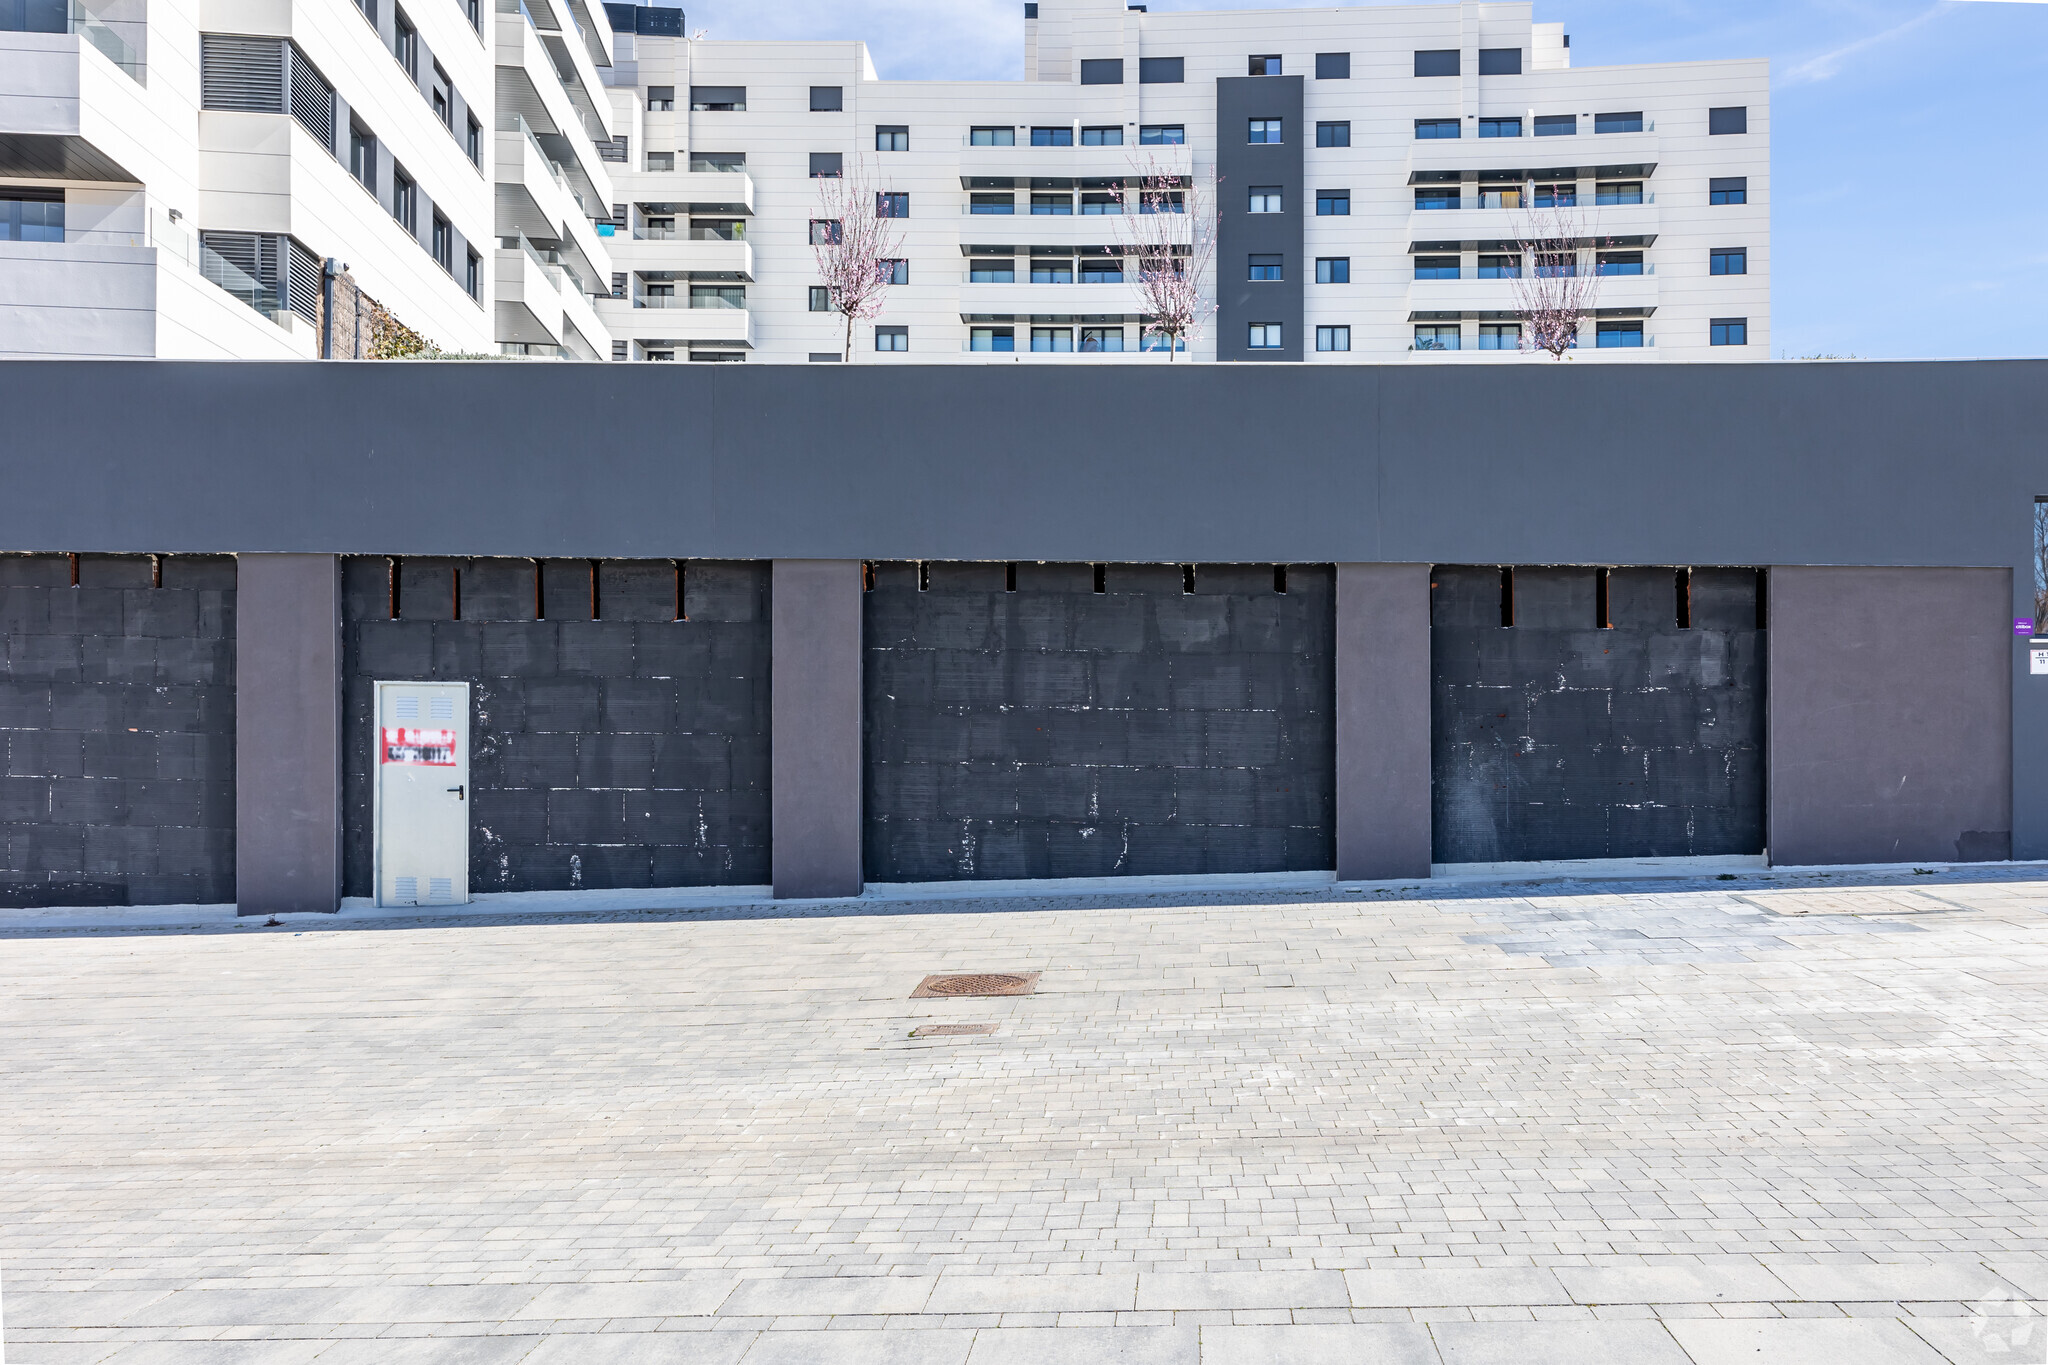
pixel 422 793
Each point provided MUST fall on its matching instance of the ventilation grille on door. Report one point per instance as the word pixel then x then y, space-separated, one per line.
pixel 440 888
pixel 405 889
pixel 406 708
pixel 441 708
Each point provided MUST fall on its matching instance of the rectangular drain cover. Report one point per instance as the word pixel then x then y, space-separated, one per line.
pixel 979 983
pixel 951 1030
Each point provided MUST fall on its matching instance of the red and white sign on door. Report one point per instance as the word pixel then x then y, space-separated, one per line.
pixel 422 748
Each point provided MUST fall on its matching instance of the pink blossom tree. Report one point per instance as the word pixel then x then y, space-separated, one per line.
pixel 1169 238
pixel 855 245
pixel 1554 289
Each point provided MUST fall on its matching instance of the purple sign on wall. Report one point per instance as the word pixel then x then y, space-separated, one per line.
pixel 2023 625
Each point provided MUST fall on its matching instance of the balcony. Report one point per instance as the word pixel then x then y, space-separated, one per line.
pixel 1494 217
pixel 536 301
pixel 728 192
pixel 683 253
pixel 1469 295
pixel 679 324
pixel 71 105
pixel 530 85
pixel 1024 164
pixel 1022 300
pixel 1060 232
pixel 1584 155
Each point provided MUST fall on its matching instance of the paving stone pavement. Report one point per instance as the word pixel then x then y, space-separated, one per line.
pixel 1686 1121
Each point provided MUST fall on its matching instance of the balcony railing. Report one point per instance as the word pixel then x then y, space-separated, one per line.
pixel 1494 272
pixel 1515 200
pixel 682 301
pixel 58 16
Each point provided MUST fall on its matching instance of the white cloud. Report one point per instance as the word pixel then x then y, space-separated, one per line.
pixel 1827 64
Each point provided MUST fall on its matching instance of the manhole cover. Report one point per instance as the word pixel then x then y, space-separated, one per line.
pixel 952 1030
pixel 978 983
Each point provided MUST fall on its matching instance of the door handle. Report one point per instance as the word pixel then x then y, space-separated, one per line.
pixel 457 791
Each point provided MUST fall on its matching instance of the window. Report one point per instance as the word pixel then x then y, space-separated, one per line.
pixel 1333 270
pixel 821 299
pixel 1162 134
pixel 1437 336
pixel 1500 127
pixel 661 99
pixel 1436 267
pixel 31 215
pixel 442 109
pixel 892 204
pixel 1427 128
pixel 1333 338
pixel 1333 66
pixel 1263 66
pixel 1333 134
pixel 1729 331
pixel 1333 203
pixel 475 10
pixel 992 339
pixel 718 99
pixel 1556 265
pixel 993 137
pixel 1264 336
pixel 1001 270
pixel 1158 341
pixel 474 143
pixel 1500 268
pixel 1563 195
pixel 1728 260
pixel 1618 123
pixel 1441 62
pixel 1102 270
pixel 369 9
pixel 1102 137
pixel 1446 198
pixel 619 284
pixel 1101 201
pixel 473 276
pixel 1163 201
pixel 1613 334
pixel 1052 272
pixel 1500 61
pixel 892 138
pixel 718 163
pixel 405 200
pixel 405 45
pixel 1160 71
pixel 991 203
pixel 1048 204
pixel 1620 263
pixel 1721 122
pixel 827 99
pixel 1102 338
pixel 892 338
pixel 1265 199
pixel 1102 71
pixel 827 165
pixel 1052 137
pixel 362 155
pixel 1500 336
pixel 1265 267
pixel 1052 338
pixel 443 239
pixel 1263 130
pixel 1557 125
pixel 1618 192
pixel 1728 189
pixel 895 271
pixel 824 232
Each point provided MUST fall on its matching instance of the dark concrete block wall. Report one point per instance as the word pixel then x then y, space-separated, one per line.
pixel 1555 738
pixel 614 746
pixel 1053 731
pixel 117 714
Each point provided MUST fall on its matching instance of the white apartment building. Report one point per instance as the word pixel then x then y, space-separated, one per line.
pixel 227 178
pixel 1375 170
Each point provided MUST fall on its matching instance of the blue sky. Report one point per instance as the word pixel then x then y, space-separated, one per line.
pixel 1910 155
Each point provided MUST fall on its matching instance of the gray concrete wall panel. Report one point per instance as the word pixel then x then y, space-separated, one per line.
pixel 1890 715
pixel 817 703
pixel 288 728
pixel 1242 165
pixel 1382 721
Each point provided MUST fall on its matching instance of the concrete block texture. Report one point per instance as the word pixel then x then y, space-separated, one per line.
pixel 1382 721
pixel 1057 731
pixel 626 749
pixel 817 779
pixel 1891 715
pixel 1557 732
pixel 117 720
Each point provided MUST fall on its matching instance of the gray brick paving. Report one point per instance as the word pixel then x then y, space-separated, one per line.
pixel 1685 1121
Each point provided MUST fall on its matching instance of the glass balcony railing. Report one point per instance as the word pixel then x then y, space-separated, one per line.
pixel 1511 272
pixel 737 232
pixel 1514 199
pixel 71 16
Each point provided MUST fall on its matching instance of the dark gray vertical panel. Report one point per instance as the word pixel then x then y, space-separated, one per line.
pixel 816 737
pixel 1382 721
pixel 1890 715
pixel 288 734
pixel 1240 165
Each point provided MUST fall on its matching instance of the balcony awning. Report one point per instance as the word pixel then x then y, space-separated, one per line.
pixel 58 156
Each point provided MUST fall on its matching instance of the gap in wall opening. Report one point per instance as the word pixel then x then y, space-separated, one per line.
pixel 156 571
pixel 1102 578
pixel 595 604
pixel 74 569
pixel 391 585
pixel 540 600
pixel 924 576
pixel 682 606
pixel 1187 578
pixel 455 591
pixel 1507 595
pixel 1684 585
pixel 867 575
pixel 1603 614
pixel 1280 579
pixel 1010 576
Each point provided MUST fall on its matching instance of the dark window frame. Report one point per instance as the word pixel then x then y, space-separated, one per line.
pixel 828 99
pixel 1333 66
pixel 1431 63
pixel 1333 132
pixel 1500 61
pixel 1333 270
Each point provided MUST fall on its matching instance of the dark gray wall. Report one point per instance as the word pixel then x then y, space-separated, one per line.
pixel 1239 166
pixel 1382 732
pixel 629 750
pixel 288 704
pixel 1554 737
pixel 117 712
pixel 817 761
pixel 1059 732
pixel 1727 463
pixel 1890 711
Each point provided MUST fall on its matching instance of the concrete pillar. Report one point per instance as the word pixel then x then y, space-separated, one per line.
pixel 815 775
pixel 1890 715
pixel 287 733
pixel 1383 778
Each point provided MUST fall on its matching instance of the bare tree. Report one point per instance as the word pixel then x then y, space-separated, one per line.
pixel 1169 233
pixel 855 245
pixel 1554 289
pixel 2041 566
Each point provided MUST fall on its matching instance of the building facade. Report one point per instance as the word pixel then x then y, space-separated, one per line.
pixel 1374 171
pixel 269 178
